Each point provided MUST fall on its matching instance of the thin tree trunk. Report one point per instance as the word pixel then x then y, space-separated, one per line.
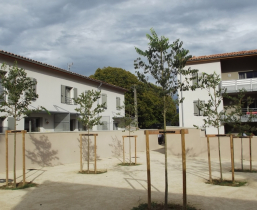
pixel 242 160
pixel 220 155
pixel 129 147
pixel 166 170
pixel 14 155
pixel 88 155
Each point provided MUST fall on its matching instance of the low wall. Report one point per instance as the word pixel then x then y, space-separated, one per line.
pixel 196 146
pixel 50 149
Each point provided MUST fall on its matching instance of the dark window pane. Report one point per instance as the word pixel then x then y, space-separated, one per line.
pixel 241 75
pixel 249 74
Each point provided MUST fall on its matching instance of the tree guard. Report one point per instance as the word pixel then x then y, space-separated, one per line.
pixel 81 163
pixel 154 132
pixel 231 152
pixel 23 152
pixel 135 148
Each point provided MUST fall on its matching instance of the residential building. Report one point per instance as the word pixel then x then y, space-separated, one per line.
pixel 237 70
pixel 57 88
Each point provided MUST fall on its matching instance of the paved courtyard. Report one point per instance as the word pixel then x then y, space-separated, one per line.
pixel 122 187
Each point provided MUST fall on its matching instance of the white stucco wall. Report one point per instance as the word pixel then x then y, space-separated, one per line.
pixel 188 108
pixel 49 90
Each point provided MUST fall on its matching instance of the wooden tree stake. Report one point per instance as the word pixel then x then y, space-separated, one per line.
pixel 6 163
pixel 250 148
pixel 148 170
pixel 232 157
pixel 23 154
pixel 80 153
pixel 135 150
pixel 209 158
pixel 183 147
pixel 95 154
pixel 123 151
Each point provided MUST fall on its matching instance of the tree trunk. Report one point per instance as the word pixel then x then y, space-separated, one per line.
pixel 14 155
pixel 220 155
pixel 129 147
pixel 242 160
pixel 166 170
pixel 88 154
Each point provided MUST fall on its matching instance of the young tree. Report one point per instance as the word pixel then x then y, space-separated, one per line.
pixel 20 90
pixel 211 110
pixel 165 62
pixel 89 116
pixel 127 122
pixel 237 118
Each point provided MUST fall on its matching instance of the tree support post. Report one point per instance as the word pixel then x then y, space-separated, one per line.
pixel 232 157
pixel 23 154
pixel 148 169
pixel 183 146
pixel 179 131
pixel 135 148
pixel 209 158
pixel 123 150
pixel 23 132
pixel 6 159
pixel 95 153
pixel 250 151
pixel 80 153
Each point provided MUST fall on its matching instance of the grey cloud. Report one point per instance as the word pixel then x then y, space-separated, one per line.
pixel 93 34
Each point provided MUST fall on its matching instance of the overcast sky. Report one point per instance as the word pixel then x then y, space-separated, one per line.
pixel 97 33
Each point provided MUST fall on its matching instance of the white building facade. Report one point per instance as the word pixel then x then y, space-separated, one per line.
pixel 237 70
pixel 56 89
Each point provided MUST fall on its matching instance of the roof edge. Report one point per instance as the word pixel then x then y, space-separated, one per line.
pixel 58 69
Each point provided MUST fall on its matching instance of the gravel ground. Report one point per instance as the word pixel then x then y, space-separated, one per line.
pixel 123 187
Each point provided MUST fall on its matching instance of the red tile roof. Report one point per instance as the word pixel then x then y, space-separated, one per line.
pixel 58 69
pixel 223 55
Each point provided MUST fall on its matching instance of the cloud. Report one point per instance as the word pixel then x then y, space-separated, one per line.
pixel 94 34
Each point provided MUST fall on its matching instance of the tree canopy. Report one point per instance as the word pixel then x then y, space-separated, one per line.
pixel 149 99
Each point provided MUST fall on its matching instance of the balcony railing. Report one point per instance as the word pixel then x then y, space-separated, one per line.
pixel 236 85
pixel 247 114
pixel 69 101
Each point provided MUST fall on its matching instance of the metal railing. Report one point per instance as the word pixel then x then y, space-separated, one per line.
pixel 69 100
pixel 249 114
pixel 236 85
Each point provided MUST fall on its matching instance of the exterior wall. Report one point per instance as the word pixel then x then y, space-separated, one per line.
pixel 188 108
pixel 231 67
pixel 49 90
pixel 50 149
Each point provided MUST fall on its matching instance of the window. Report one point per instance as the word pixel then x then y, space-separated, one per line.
pixel 34 87
pixel 196 81
pixel 67 94
pixel 105 123
pixel 247 75
pixel 117 103
pixel 2 95
pixel 197 112
pixel 104 100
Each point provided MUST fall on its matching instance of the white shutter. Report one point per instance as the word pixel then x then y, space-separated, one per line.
pixel 202 104
pixel 62 94
pixel 196 110
pixel 118 103
pixel 194 81
pixel 104 100
pixel 75 94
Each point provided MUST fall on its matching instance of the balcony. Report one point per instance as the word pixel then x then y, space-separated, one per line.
pixel 247 113
pixel 233 86
pixel 69 100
